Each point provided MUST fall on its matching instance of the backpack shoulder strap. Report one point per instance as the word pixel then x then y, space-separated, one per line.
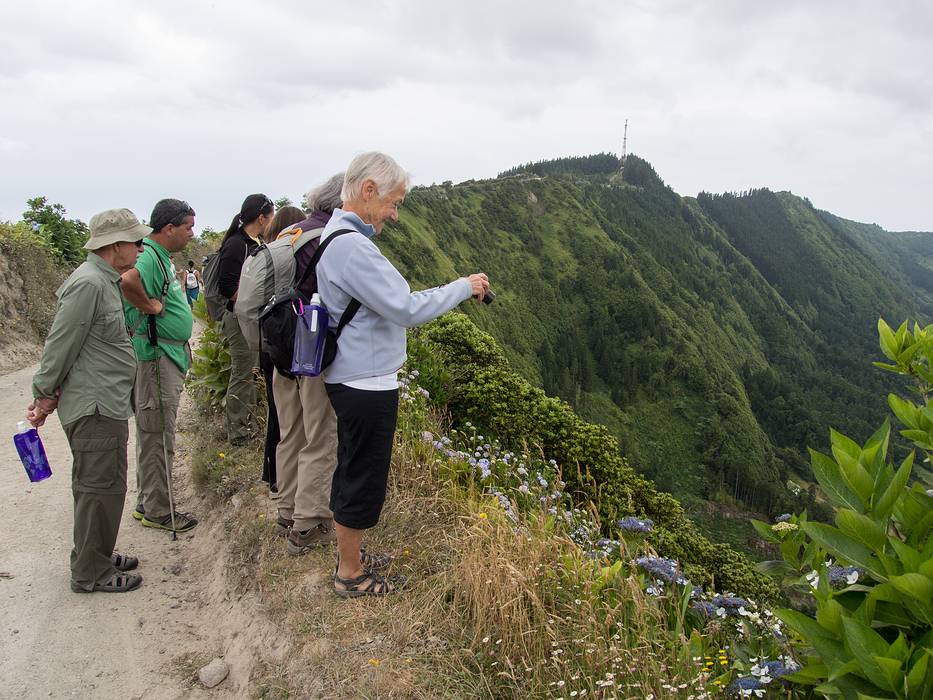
pixel 347 315
pixel 312 264
pixel 166 280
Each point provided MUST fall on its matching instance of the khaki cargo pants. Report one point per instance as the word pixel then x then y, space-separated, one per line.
pixel 306 455
pixel 98 482
pixel 155 442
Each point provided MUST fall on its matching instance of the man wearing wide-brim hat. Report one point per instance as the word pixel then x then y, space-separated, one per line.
pixel 87 372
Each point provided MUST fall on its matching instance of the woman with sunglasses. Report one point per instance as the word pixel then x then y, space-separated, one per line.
pixel 241 240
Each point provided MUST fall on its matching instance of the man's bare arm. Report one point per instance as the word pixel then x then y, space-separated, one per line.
pixel 132 286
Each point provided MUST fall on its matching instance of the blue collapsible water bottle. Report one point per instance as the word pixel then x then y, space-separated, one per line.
pixel 310 334
pixel 29 445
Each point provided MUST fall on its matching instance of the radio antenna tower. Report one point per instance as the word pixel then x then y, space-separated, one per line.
pixel 624 146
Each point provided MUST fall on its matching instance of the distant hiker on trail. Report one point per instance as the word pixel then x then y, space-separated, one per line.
pixel 193 282
pixel 241 240
pixel 159 320
pixel 284 217
pixel 307 453
pixel 87 372
pixel 362 382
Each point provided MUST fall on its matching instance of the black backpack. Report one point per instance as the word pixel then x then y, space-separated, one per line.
pixel 278 318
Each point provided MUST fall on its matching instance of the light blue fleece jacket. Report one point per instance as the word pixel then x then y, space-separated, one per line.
pixel 373 343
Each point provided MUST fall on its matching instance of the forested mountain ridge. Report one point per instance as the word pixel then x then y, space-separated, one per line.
pixel 717 337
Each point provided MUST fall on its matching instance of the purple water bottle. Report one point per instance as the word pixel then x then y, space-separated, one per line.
pixel 310 334
pixel 31 451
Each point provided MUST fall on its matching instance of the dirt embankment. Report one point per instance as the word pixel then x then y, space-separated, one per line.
pixel 29 277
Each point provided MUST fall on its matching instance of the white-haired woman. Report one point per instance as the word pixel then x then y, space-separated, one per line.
pixel 362 381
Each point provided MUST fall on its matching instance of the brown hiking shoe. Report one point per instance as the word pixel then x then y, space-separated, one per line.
pixel 303 541
pixel 283 526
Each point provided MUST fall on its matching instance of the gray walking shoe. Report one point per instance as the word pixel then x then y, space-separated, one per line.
pixel 303 541
pixel 183 522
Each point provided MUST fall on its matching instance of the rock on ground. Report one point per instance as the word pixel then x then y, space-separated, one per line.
pixel 213 673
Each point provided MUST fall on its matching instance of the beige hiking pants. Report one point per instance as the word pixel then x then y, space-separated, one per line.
pixel 306 456
pixel 153 474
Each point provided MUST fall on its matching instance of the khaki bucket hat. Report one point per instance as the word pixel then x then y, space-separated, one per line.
pixel 115 226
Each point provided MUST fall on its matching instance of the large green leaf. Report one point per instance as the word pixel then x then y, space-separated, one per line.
pixel 834 486
pixel 830 615
pixel 883 505
pixel 855 475
pixel 918 586
pixel 916 676
pixel 906 411
pixel 764 531
pixel 910 558
pixel 891 668
pixel 845 548
pixel 821 639
pixel 866 645
pixel 862 528
pixel 887 341
pixel 844 444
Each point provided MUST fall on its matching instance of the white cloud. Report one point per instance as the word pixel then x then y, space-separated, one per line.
pixel 112 103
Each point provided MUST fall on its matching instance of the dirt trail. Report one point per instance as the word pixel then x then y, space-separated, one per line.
pixel 55 643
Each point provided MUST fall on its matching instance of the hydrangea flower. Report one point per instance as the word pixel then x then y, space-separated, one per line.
pixel 704 608
pixel 746 687
pixel 784 526
pixel 636 525
pixel 843 575
pixel 782 518
pixel 731 604
pixel 661 569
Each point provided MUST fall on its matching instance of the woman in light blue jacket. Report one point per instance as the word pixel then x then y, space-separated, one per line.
pixel 362 380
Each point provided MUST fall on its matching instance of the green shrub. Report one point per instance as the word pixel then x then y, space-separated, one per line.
pixel 479 386
pixel 210 366
pixel 872 633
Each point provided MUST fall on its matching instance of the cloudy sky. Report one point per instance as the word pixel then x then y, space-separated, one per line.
pixel 121 103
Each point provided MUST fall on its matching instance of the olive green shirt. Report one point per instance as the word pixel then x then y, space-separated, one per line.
pixel 88 353
pixel 174 324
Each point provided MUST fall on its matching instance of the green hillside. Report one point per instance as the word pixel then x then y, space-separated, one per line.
pixel 716 337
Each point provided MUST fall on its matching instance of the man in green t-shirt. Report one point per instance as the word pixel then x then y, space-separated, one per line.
pixel 160 323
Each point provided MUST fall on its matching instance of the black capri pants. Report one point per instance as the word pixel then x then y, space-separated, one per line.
pixel 365 432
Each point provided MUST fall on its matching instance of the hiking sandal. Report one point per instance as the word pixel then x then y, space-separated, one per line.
pixel 123 562
pixel 118 583
pixel 374 562
pixel 368 584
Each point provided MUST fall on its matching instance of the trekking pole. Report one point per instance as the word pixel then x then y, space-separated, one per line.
pixel 168 471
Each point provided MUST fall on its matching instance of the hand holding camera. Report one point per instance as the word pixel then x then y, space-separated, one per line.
pixel 480 284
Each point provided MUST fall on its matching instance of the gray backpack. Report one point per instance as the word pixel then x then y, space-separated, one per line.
pixel 215 302
pixel 267 272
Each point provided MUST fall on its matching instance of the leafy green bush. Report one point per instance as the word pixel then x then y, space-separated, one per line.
pixel 471 372
pixel 65 236
pixel 872 633
pixel 210 367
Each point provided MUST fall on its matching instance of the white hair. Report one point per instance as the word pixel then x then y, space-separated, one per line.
pixel 325 197
pixel 378 167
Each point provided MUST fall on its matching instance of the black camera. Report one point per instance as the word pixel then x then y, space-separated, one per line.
pixel 489 297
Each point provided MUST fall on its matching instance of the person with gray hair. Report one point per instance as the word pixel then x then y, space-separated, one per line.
pixel 87 372
pixel 367 297
pixel 306 453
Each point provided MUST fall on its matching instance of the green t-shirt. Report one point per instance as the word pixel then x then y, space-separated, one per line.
pixel 175 322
